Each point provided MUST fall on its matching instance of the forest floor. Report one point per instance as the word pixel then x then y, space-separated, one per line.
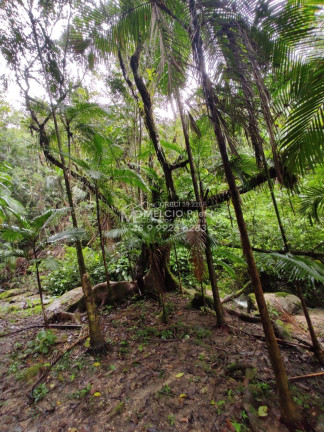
pixel 186 375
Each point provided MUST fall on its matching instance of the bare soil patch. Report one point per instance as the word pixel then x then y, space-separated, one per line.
pixel 156 378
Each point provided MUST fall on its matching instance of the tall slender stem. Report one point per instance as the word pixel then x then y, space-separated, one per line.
pixel 202 219
pixel 39 284
pixel 102 244
pixel 288 409
pixel 318 351
pixel 178 269
pixel 97 341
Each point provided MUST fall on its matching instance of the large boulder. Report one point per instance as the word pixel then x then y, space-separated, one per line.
pixel 65 301
pixel 73 301
pixel 279 300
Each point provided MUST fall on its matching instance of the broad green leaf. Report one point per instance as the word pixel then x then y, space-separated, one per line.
pixel 70 234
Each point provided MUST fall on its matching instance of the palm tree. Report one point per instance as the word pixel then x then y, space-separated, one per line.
pixel 123 29
pixel 288 409
pixel 50 62
pixel 300 270
pixel 202 219
pixel 28 233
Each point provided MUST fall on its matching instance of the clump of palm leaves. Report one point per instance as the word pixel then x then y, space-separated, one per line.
pixel 300 269
pixel 295 268
pixel 312 202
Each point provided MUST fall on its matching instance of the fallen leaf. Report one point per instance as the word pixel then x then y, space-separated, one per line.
pixel 203 390
pixel 263 411
pixel 97 394
pixel 183 395
pixel 96 364
pixel 179 375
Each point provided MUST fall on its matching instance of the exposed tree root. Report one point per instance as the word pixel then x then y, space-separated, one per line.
pixel 243 316
pixel 102 349
pixel 234 367
pixel 236 294
pixel 304 377
pixel 280 341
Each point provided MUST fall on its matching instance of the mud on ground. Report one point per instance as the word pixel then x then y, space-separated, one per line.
pixel 156 378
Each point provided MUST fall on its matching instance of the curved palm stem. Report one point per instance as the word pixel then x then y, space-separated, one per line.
pixel 287 406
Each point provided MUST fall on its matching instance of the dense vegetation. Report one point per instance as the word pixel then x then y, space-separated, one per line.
pixel 174 144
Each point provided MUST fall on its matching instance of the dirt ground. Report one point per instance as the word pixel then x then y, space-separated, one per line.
pixel 186 375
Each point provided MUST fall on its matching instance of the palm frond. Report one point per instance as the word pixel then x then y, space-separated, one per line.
pixel 71 234
pixel 312 202
pixel 44 219
pixel 302 139
pixel 296 268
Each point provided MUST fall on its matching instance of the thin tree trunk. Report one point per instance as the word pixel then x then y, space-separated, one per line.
pixel 265 103
pixel 97 341
pixel 102 245
pixel 39 284
pixel 150 124
pixel 179 275
pixel 318 351
pixel 254 129
pixel 229 213
pixel 256 138
pixel 202 219
pixel 287 407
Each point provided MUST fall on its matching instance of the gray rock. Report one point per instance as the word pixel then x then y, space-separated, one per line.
pixel 279 300
pixel 66 300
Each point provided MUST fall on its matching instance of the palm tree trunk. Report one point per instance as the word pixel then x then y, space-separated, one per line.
pixel 265 104
pixel 150 124
pixel 97 341
pixel 287 407
pixel 254 129
pixel 257 140
pixel 202 219
pixel 318 351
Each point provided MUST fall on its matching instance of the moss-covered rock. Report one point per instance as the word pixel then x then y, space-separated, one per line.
pixel 9 293
pixel 283 330
pixel 280 300
pixel 281 294
pixel 197 301
pixel 251 303
pixel 66 300
pixel 33 372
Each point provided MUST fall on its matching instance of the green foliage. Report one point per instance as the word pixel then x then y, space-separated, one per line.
pixel 110 150
pixel 80 394
pixel 39 392
pixel 201 332
pixel 66 276
pixel 312 202
pixel 296 267
pixel 171 419
pixel 43 342
pixel 184 265
pixel 165 390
